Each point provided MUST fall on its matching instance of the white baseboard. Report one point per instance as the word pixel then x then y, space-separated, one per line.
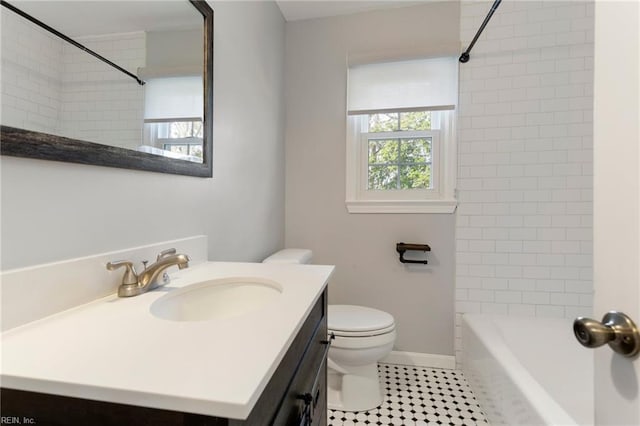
pixel 417 359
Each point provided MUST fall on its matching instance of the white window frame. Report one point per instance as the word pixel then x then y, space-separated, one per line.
pixel 399 194
pixel 439 199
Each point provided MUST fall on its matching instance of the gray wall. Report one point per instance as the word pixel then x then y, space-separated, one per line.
pixel 362 246
pixel 178 48
pixel 53 211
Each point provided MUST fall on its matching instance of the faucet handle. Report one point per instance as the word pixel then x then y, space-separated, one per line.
pixel 165 253
pixel 130 277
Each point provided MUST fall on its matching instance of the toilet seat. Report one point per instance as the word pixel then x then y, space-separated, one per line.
pixel 358 321
pixel 353 319
pixel 348 342
pixel 342 333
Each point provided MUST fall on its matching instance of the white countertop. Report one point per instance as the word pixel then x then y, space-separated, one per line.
pixel 114 349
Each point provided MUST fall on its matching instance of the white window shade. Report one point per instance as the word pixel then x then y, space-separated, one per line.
pixel 407 85
pixel 173 98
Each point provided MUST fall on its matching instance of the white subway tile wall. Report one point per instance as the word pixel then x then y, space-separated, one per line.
pixel 30 78
pixel 100 103
pixel 524 219
pixel 50 86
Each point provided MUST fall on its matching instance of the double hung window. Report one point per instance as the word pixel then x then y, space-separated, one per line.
pixel 400 142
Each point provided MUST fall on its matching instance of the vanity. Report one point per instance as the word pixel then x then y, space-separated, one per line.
pixel 140 360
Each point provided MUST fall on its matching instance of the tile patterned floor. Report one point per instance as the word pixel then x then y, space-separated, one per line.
pixel 418 396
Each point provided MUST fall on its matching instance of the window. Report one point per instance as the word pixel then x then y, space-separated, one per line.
pixel 185 137
pixel 400 149
pixel 173 117
pixel 178 136
pixel 400 144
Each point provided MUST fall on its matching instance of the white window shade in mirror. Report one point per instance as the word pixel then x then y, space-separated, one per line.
pixel 173 98
pixel 173 125
pixel 401 149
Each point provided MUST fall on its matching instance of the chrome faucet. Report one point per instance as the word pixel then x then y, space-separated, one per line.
pixel 153 275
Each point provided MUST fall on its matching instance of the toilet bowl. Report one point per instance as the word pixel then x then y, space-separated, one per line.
pixel 361 336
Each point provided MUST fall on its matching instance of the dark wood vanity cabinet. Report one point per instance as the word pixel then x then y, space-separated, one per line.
pixel 295 395
pixel 297 392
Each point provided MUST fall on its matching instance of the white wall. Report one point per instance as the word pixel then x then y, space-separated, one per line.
pixel 524 221
pixel 362 246
pixel 52 211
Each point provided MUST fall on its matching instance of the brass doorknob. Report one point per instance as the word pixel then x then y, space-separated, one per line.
pixel 616 329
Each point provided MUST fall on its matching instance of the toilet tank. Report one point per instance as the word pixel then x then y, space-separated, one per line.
pixel 290 255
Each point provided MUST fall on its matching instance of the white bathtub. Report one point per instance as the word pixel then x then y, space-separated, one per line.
pixel 528 371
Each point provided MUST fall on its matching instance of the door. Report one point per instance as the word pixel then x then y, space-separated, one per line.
pixel 617 201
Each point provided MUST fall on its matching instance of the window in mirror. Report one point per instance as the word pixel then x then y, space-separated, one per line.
pixel 178 138
pixel 173 117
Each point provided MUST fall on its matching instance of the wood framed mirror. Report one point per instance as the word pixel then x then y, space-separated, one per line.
pixel 61 103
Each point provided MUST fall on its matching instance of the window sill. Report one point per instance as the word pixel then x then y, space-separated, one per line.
pixel 406 207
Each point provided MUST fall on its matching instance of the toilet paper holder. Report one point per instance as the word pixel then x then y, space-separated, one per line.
pixel 401 248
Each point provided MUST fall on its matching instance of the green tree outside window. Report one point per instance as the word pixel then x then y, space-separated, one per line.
pixel 399 163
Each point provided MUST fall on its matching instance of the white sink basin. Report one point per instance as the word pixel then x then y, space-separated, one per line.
pixel 216 299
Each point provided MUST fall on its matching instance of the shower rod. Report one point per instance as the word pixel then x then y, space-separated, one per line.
pixel 465 55
pixel 69 40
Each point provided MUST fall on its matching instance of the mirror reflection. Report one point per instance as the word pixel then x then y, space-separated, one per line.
pixel 54 87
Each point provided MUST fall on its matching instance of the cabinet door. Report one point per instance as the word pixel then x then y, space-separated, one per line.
pixel 305 398
pixel 319 412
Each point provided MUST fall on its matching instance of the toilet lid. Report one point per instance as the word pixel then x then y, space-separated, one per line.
pixel 358 319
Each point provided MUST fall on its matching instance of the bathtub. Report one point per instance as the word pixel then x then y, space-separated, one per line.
pixel 528 371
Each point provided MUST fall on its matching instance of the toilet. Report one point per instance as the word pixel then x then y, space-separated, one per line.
pixel 362 337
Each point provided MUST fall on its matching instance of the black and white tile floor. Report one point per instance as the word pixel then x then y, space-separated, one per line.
pixel 418 396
